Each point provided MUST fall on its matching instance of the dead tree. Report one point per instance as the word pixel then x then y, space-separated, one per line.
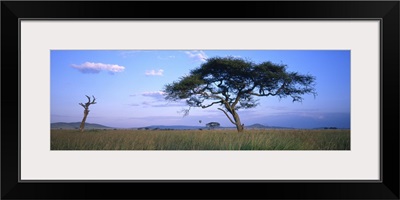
pixel 86 111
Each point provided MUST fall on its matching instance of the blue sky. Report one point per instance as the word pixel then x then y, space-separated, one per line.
pixel 127 86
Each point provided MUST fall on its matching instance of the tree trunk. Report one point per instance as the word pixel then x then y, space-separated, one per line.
pixel 236 118
pixel 82 127
pixel 239 125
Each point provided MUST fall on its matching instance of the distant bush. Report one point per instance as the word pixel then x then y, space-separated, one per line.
pixel 330 128
pixel 213 125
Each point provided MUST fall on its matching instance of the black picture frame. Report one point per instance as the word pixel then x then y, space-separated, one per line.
pixel 386 11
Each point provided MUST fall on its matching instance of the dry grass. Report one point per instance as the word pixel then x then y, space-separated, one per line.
pixel 200 140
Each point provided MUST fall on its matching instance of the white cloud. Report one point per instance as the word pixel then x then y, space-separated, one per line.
pixel 158 100
pixel 197 55
pixel 153 72
pixel 91 67
pixel 171 104
pixel 157 95
pixel 319 116
pixel 146 103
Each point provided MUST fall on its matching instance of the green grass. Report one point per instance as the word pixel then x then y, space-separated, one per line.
pixel 200 140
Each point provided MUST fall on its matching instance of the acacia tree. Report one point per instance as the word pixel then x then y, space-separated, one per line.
pixel 213 125
pixel 233 83
pixel 86 111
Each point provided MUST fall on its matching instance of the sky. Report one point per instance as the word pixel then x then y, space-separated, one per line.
pixel 128 84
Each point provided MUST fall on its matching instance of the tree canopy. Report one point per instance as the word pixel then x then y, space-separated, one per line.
pixel 213 125
pixel 233 83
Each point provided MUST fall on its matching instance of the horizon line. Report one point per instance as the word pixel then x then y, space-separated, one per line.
pixel 205 126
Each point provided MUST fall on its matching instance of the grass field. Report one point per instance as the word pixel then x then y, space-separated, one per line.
pixel 200 140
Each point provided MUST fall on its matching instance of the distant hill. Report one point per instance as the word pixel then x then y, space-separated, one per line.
pixel 256 126
pixel 75 125
pixel 174 127
pixel 181 127
pixel 260 126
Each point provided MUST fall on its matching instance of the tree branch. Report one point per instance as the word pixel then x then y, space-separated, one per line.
pixel 211 104
pixel 262 95
pixel 227 116
pixel 236 100
pixel 86 105
pixel 88 98
pixel 94 99
pixel 262 92
pixel 212 96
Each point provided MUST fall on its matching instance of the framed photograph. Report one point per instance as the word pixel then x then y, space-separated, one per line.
pixel 301 98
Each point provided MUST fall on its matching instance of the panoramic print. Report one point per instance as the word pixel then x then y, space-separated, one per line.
pixel 200 99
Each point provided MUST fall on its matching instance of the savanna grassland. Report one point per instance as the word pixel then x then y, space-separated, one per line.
pixel 265 139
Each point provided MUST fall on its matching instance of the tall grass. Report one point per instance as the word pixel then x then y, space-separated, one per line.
pixel 200 140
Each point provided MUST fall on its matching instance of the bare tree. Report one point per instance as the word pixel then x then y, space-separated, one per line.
pixel 86 111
